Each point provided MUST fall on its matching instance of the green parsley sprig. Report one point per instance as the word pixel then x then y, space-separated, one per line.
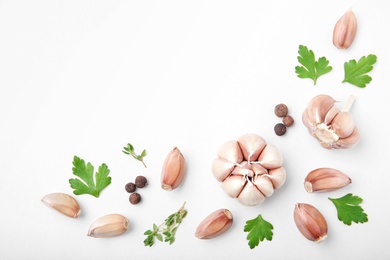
pixel 356 72
pixel 129 149
pixel 311 68
pixel 167 230
pixel 348 209
pixel 85 173
pixel 259 229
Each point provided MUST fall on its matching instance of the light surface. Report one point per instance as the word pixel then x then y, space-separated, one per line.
pixel 87 77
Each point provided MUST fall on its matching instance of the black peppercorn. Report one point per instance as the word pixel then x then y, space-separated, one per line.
pixel 280 129
pixel 130 187
pixel 281 110
pixel 141 181
pixel 135 198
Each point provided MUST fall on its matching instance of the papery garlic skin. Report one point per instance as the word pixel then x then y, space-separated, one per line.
pixel 62 203
pixel 249 169
pixel 344 31
pixel 325 179
pixel 111 225
pixel 214 224
pixel 310 222
pixel 173 170
pixel 332 127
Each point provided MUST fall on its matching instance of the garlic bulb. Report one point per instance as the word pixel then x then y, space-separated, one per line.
pixel 332 127
pixel 249 169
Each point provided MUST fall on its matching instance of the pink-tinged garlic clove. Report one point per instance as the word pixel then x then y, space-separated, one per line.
pixel 111 225
pixel 173 170
pixel 344 31
pixel 258 169
pixel 332 113
pixel 305 119
pixel 264 184
pixel 231 151
pixel 251 146
pixel 270 157
pixel 310 222
pixel 222 168
pixel 343 124
pixel 348 142
pixel 250 195
pixel 277 176
pixel 233 185
pixel 325 179
pixel 214 224
pixel 63 203
pixel 318 108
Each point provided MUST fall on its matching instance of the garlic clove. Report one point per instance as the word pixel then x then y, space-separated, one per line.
pixel 231 151
pixel 233 185
pixel 325 179
pixel 310 222
pixel 250 195
pixel 258 169
pixel 348 141
pixel 63 203
pixel 264 184
pixel 332 113
pixel 251 146
pixel 277 176
pixel 305 119
pixel 214 224
pixel 318 107
pixel 344 31
pixel 173 170
pixel 108 226
pixel 270 157
pixel 222 168
pixel 343 124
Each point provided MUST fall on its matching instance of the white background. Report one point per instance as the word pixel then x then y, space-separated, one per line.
pixel 86 77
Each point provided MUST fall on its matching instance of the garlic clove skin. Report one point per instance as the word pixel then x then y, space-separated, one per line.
pixel 350 141
pixel 343 124
pixel 214 224
pixel 250 195
pixel 310 222
pixel 251 146
pixel 233 185
pixel 222 168
pixel 344 31
pixel 318 107
pixel 111 225
pixel 231 151
pixel 173 170
pixel 326 179
pixel 270 157
pixel 62 203
pixel 277 176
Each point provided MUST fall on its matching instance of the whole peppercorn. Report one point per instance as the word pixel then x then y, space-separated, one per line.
pixel 135 198
pixel 288 120
pixel 281 110
pixel 130 187
pixel 280 129
pixel 141 181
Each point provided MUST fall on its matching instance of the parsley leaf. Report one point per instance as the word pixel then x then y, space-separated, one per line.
pixel 85 173
pixel 311 68
pixel 355 72
pixel 348 209
pixel 258 229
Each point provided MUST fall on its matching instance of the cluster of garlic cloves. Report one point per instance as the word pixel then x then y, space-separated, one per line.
pixel 63 203
pixel 345 30
pixel 249 169
pixel 110 225
pixel 310 222
pixel 214 224
pixel 333 128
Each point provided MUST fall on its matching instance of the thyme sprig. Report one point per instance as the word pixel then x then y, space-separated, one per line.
pixel 129 149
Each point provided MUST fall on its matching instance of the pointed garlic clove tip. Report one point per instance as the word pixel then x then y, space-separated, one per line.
pixel 344 31
pixel 173 170
pixel 310 222
pixel 108 226
pixel 250 195
pixel 251 146
pixel 326 179
pixel 214 224
pixel 63 203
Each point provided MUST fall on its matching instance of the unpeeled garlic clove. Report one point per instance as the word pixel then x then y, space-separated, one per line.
pixel 343 124
pixel 233 184
pixel 250 195
pixel 326 179
pixel 63 203
pixel 318 107
pixel 264 184
pixel 344 31
pixel 310 222
pixel 214 224
pixel 270 157
pixel 251 146
pixel 277 176
pixel 173 170
pixel 222 168
pixel 108 226
pixel 230 151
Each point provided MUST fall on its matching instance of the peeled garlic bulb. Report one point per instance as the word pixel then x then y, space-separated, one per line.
pixel 332 127
pixel 249 169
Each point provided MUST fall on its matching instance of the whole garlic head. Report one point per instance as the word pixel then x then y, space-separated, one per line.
pixel 332 127
pixel 249 169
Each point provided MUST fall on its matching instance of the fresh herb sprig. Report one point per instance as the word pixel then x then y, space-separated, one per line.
pixel 167 230
pixel 129 149
pixel 356 72
pixel 85 173
pixel 349 210
pixel 259 229
pixel 311 68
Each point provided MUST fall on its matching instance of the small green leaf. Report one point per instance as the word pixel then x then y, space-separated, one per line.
pixel 355 72
pixel 159 237
pixel 348 209
pixel 259 229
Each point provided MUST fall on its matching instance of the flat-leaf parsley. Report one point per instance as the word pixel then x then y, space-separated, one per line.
pixel 348 209
pixel 356 72
pixel 259 229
